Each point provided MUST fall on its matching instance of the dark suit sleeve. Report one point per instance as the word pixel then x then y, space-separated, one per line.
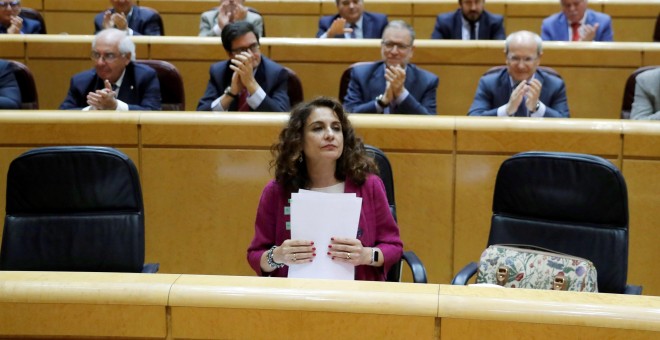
pixel 324 24
pixel 150 93
pixel 427 105
pixel 483 101
pixel 498 30
pixel 354 101
pixel 150 26
pixel 74 97
pixel 546 30
pixel 557 106
pixel 213 91
pixel 10 95
pixel 277 97
pixel 98 22
pixel 606 27
pixel 437 30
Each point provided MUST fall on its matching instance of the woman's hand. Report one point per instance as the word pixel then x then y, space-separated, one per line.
pixel 349 250
pixel 294 252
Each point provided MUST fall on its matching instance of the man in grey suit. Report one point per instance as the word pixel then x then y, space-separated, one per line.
pixel 521 89
pixel 213 21
pixel 646 104
pixel 392 85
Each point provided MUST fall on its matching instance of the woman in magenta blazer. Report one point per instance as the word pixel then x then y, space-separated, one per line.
pixel 318 150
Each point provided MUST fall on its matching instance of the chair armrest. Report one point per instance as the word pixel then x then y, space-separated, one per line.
pixel 416 266
pixel 465 274
pixel 151 268
pixel 633 290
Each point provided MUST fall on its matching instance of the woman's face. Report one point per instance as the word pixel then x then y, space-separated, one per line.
pixel 323 138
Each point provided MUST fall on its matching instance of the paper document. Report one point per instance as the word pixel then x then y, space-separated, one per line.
pixel 318 216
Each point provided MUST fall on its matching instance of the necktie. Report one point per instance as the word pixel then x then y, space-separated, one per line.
pixel 353 34
pixel 242 101
pixel 576 34
pixel 473 30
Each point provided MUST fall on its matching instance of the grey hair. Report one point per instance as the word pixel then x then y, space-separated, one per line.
pixel 400 24
pixel 125 46
pixel 514 35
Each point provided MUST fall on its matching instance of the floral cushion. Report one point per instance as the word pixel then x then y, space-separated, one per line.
pixel 515 267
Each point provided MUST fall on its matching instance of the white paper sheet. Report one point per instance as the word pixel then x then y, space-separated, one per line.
pixel 317 217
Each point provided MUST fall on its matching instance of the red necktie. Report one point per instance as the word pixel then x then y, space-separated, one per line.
pixel 576 33
pixel 242 101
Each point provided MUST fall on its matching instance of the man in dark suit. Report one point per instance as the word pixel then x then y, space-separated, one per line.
pixel 125 16
pixel 469 22
pixel 10 94
pixel 12 23
pixel 352 22
pixel 577 23
pixel 393 85
pixel 247 81
pixel 116 82
pixel 521 90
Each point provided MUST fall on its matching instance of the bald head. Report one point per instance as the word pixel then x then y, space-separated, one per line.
pixel 523 52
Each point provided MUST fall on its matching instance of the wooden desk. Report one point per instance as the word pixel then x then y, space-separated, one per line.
pixel 138 306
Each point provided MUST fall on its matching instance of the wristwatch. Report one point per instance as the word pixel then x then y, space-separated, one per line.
pixel 228 92
pixel 374 255
pixel 538 104
pixel 380 101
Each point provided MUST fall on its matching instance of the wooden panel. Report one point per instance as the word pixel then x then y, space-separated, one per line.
pixel 200 207
pixel 640 139
pixel 643 181
pixel 76 5
pixel 223 323
pixel 13 47
pixel 181 24
pixel 633 29
pixel 296 26
pixel 34 4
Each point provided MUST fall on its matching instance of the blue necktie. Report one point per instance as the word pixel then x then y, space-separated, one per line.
pixel 353 35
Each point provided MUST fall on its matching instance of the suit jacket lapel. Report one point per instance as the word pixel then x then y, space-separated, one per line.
pixel 562 28
pixel 458 25
pixel 376 81
pixel 127 91
pixel 367 26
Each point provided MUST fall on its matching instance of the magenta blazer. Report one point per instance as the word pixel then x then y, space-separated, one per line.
pixel 376 228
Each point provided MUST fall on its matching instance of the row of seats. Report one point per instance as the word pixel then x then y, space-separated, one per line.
pixel 104 208
pixel 173 94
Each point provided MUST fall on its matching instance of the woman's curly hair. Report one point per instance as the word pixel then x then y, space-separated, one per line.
pixel 289 162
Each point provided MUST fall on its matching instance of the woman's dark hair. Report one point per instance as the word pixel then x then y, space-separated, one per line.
pixel 291 172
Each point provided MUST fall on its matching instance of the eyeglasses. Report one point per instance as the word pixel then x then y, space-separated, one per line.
pixel 11 4
pixel 517 60
pixel 108 57
pixel 254 48
pixel 390 45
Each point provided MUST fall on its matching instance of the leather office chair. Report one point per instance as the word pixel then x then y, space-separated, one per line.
pixel 74 208
pixel 159 19
pixel 629 91
pixel 172 93
pixel 656 35
pixel 415 264
pixel 571 203
pixel 27 86
pixel 34 15
pixel 346 79
pixel 294 88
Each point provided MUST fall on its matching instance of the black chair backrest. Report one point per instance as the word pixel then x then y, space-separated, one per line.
pixel 656 35
pixel 546 69
pixel 386 175
pixel 159 19
pixel 263 33
pixel 172 93
pixel 629 91
pixel 34 15
pixel 73 208
pixel 294 88
pixel 346 79
pixel 571 203
pixel 27 86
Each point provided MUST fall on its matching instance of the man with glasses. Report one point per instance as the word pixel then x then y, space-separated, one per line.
pixel 469 22
pixel 12 23
pixel 125 16
pixel 352 22
pixel 392 85
pixel 247 81
pixel 577 23
pixel 521 89
pixel 116 82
